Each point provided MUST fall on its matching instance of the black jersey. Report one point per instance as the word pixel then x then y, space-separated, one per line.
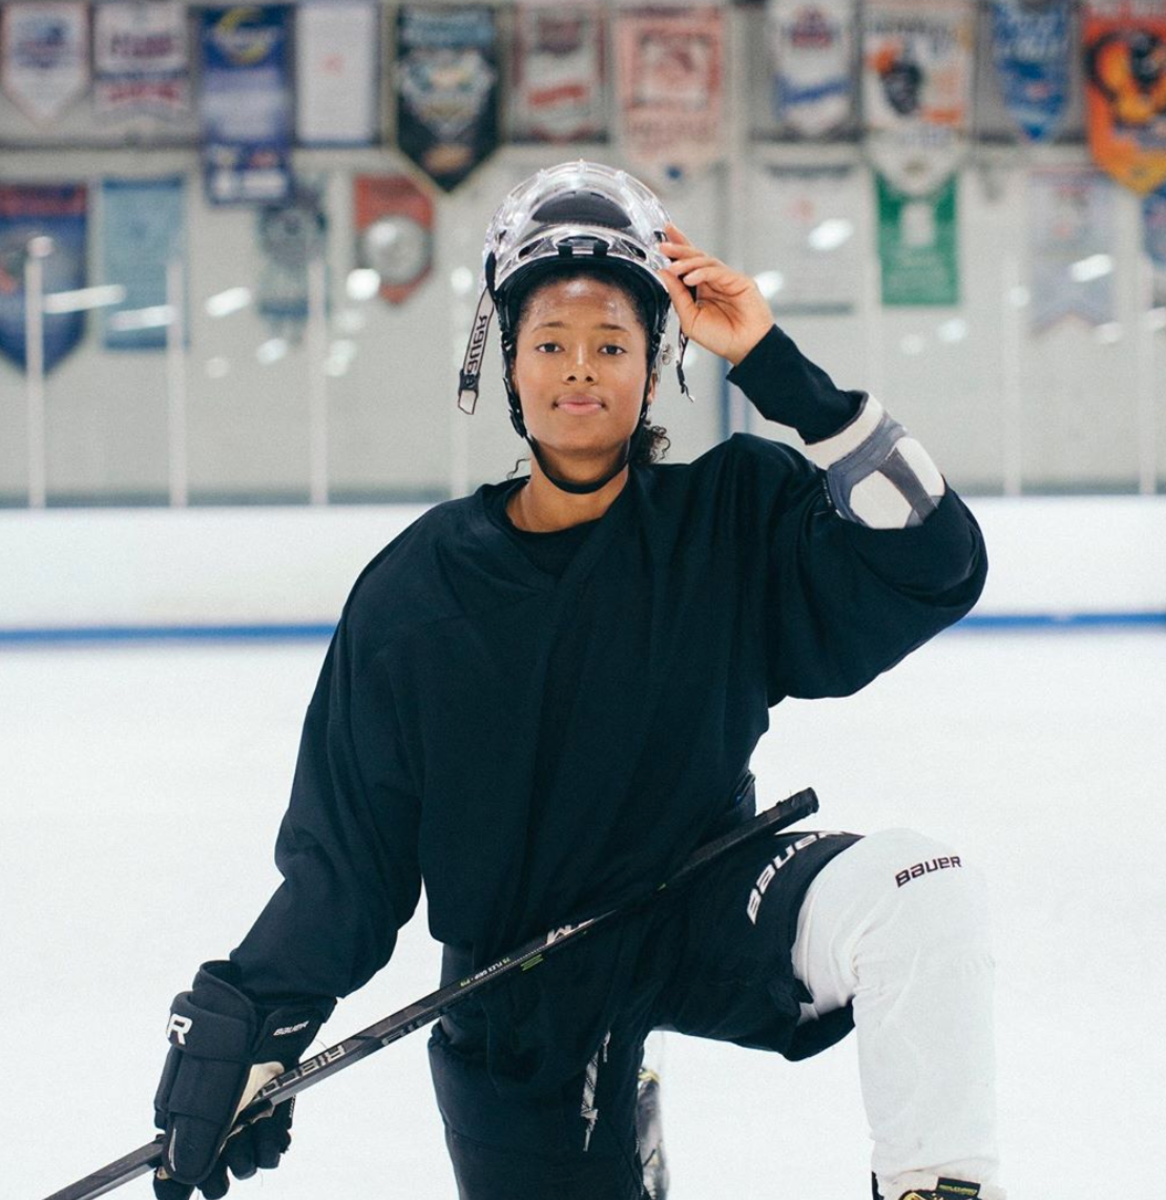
pixel 538 746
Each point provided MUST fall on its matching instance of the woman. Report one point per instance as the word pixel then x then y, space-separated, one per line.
pixel 542 698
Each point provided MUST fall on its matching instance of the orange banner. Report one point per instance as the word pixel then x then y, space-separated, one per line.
pixel 394 229
pixel 1125 89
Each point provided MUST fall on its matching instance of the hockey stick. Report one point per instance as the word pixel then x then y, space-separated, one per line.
pixel 429 1008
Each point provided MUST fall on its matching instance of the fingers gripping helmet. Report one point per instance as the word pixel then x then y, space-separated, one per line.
pixel 576 212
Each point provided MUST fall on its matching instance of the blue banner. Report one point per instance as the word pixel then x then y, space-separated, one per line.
pixel 246 104
pixel 58 212
pixel 1031 50
pixel 143 227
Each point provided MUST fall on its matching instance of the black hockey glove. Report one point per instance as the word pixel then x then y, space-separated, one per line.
pixel 223 1049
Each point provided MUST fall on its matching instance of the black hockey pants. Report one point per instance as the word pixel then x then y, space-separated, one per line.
pixel 720 968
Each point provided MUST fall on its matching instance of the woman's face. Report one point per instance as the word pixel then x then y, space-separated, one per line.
pixel 580 369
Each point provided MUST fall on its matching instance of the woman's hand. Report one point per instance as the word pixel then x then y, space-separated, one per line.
pixel 729 315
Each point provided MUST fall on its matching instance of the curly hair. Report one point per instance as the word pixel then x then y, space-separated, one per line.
pixel 653 442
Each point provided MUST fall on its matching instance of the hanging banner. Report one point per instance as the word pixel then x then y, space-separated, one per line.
pixel 812 53
pixel 1154 243
pixel 56 211
pixel 671 85
pixel 337 51
pixel 245 102
pixel 1125 89
pixel 141 58
pixel 917 87
pixel 918 250
pixel 806 222
pixel 1070 219
pixel 45 64
pixel 394 233
pixel 447 84
pixel 558 73
pixel 290 235
pixel 1030 50
pixel 143 227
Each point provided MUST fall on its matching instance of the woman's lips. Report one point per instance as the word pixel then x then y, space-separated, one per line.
pixel 579 404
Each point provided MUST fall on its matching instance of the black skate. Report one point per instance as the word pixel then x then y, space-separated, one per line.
pixel 650 1135
pixel 945 1189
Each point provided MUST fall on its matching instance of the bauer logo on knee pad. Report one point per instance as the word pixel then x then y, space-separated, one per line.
pixel 926 868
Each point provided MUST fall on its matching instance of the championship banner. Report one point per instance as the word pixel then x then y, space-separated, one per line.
pixel 143 227
pixel 1154 242
pixel 812 51
pixel 394 232
pixel 447 89
pixel 290 235
pixel 1071 221
pixel 918 249
pixel 45 64
pixel 141 58
pixel 917 85
pixel 671 85
pixel 1030 50
pixel 337 51
pixel 810 215
pixel 245 103
pixel 57 211
pixel 558 73
pixel 1125 89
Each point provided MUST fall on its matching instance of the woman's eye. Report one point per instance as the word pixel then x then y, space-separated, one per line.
pixel 613 349
pixel 547 347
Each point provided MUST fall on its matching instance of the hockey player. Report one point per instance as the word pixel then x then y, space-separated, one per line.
pixel 540 699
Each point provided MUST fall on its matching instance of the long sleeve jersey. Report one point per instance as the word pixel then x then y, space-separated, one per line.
pixel 539 747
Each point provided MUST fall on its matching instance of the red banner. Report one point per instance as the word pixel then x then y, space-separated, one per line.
pixel 394 224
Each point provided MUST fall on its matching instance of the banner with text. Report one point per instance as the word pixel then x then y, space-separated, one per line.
pixel 813 264
pixel 44 66
pixel 447 89
pixel 58 212
pixel 143 228
pixel 1031 51
pixel 812 56
pixel 337 51
pixel 918 248
pixel 671 89
pixel 917 88
pixel 1071 234
pixel 290 235
pixel 246 104
pixel 1125 89
pixel 558 73
pixel 141 58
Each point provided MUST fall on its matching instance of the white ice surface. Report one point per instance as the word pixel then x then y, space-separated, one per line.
pixel 140 788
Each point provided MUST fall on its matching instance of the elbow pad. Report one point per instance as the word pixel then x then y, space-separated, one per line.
pixel 877 475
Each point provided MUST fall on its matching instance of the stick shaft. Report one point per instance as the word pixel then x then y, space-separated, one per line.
pixel 426 1010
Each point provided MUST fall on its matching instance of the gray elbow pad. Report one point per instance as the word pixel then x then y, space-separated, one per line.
pixel 876 473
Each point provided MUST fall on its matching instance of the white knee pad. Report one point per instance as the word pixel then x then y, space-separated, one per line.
pixel 894 902
pixel 897 925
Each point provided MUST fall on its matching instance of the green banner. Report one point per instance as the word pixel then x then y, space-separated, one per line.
pixel 917 245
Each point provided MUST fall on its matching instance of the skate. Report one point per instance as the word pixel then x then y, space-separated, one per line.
pixel 945 1189
pixel 650 1135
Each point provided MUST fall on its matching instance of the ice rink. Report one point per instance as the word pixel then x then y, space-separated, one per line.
pixel 142 785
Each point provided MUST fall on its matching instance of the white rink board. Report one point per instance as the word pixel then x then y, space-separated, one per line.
pixel 84 568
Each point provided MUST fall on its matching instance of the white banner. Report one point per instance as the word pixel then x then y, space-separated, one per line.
pixel 337 51
pixel 45 67
pixel 917 88
pixel 807 220
pixel 812 51
pixel 141 57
